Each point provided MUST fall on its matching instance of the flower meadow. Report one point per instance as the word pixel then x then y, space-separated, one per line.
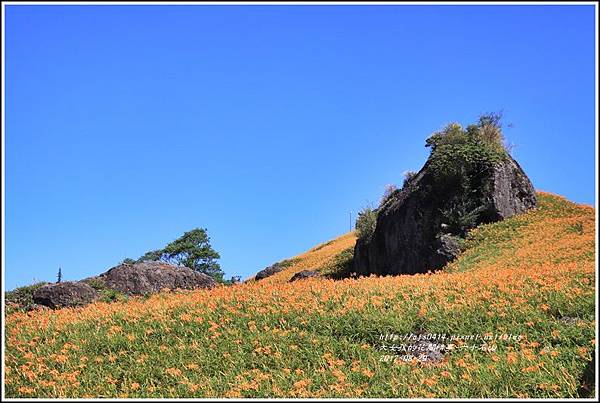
pixel 525 285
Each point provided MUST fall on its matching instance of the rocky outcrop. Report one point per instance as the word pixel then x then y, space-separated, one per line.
pixel 268 272
pixel 62 295
pixel 304 274
pixel 418 226
pixel 130 279
pixel 150 277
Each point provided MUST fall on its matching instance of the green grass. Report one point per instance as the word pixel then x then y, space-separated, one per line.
pixel 340 266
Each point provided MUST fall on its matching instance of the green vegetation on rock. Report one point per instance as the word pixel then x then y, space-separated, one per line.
pixel 340 266
pixel 21 298
pixel 365 223
pixel 192 250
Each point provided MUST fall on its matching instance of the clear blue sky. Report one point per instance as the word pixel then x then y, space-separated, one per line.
pixel 128 125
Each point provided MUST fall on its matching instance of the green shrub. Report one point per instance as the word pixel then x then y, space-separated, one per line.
pixel 287 262
pixel 106 294
pixel 21 298
pixel 576 228
pixel 320 246
pixel 110 295
pixel 461 217
pixel 456 151
pixel 96 284
pixel 365 223
pixel 461 161
pixel 490 128
pixel 128 260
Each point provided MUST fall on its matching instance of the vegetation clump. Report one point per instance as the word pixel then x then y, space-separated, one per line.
pixel 340 266
pixel 106 294
pixel 21 298
pixel 365 223
pixel 460 159
pixel 287 263
pixel 455 151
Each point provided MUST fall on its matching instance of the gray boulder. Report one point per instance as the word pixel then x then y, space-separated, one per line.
pixel 304 274
pixel 447 247
pixel 151 277
pixel 66 294
pixel 417 225
pixel 268 272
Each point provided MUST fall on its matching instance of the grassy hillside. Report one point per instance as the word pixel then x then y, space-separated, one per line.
pixel 316 258
pixel 530 277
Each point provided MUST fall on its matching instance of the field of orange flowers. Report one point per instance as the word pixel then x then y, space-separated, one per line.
pixel 523 289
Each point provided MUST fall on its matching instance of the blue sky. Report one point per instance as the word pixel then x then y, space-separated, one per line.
pixel 128 125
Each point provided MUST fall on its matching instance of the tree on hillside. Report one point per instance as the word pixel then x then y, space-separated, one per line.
pixel 153 255
pixel 192 250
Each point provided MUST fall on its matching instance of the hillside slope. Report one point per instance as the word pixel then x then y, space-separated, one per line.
pixel 313 259
pixel 525 284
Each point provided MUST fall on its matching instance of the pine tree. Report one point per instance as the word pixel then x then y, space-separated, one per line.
pixel 191 250
pixel 59 275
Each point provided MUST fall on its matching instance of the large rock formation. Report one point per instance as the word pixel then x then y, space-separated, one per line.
pixel 130 279
pixel 150 277
pixel 418 226
pixel 67 294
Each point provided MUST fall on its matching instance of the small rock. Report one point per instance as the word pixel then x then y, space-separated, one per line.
pixel 447 247
pixel 425 348
pixel 268 272
pixel 429 352
pixel 570 320
pixel 304 274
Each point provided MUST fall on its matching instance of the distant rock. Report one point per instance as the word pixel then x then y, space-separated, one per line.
pixel 65 294
pixel 268 272
pixel 130 279
pixel 412 235
pixel 151 277
pixel 304 274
